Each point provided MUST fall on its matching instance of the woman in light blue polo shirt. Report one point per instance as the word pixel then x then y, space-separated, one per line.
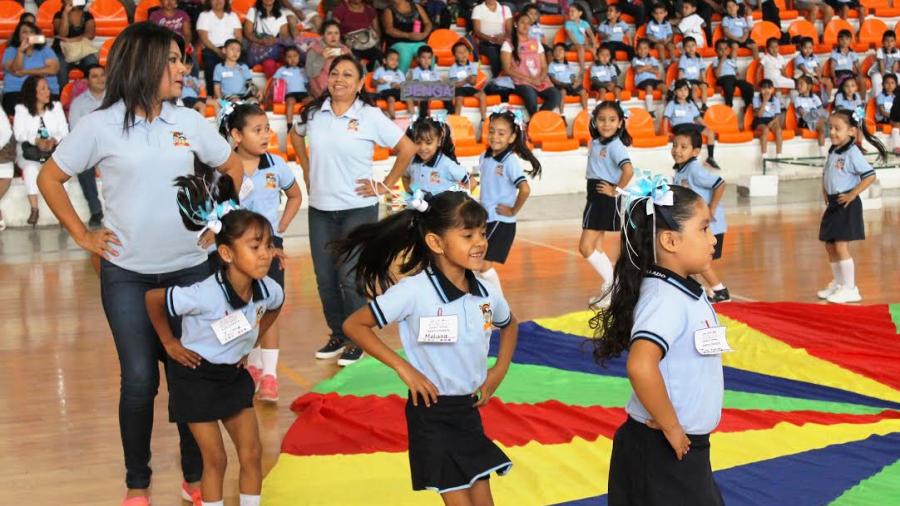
pixel 23 58
pixel 343 129
pixel 140 142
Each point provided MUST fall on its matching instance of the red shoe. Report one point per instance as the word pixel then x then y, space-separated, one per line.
pixel 268 388
pixel 191 495
pixel 136 501
pixel 255 373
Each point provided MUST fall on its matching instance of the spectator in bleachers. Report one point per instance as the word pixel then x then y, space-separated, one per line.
pixel 842 7
pixel 648 74
pixel 810 113
pixel 682 114
pixel 692 24
pixel 232 80
pixel 27 54
pixel 848 96
pixel 464 76
pixel 613 32
pixel 173 18
pixel 579 33
pixel 28 16
pixel 215 26
pixel 773 65
pixel 193 8
pixel 388 79
pixel 727 75
pixel 523 60
pixel 885 99
pixel 605 75
pixel 660 34
pixel 320 55
pixel 356 16
pixel 806 64
pixel 810 10
pixel 692 68
pixel 295 81
pixel 307 18
pixel 845 63
pixel 406 28
pixel 190 89
pixel 537 31
pixel 564 79
pixel 887 60
pixel 639 10
pixel 767 117
pixel 81 106
pixel 74 29
pixel 736 28
pixel 424 71
pixel 493 25
pixel 267 30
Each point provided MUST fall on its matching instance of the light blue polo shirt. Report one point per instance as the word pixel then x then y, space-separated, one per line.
pixel 577 31
pixel 536 32
pixel 233 80
pixel 809 64
pixel 679 114
pixel 886 101
pixel 889 60
pixel 729 68
pixel 643 62
pixel 608 73
pixel 771 108
pixel 204 303
pixel 735 27
pixel 842 102
pixel 845 168
pixel 463 72
pixel 659 31
pixel 187 89
pixel 424 75
pixel 807 103
pixel 606 159
pixel 692 67
pixel 391 76
pixel 501 176
pixel 341 151
pixel 843 61
pixel 562 72
pixel 138 168
pixel 613 33
pixel 693 175
pixel 271 178
pixel 436 175
pixel 37 59
pixel 457 368
pixel 294 77
pixel 669 310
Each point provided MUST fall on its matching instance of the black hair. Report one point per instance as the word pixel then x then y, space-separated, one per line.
pixel 307 112
pixel 326 24
pixel 845 33
pixel 275 12
pixel 559 44
pixel 622 132
pixel 424 50
pixel 519 146
pixel 806 40
pixel 208 5
pixel 401 237
pixel 230 42
pixel 609 6
pixel 137 61
pixel 15 40
pixel 847 115
pixel 605 46
pixel 887 76
pixel 688 39
pixel 679 83
pixel 458 44
pixel 29 95
pixel 766 83
pixel 427 127
pixel 514 38
pixel 582 11
pixel 658 6
pixel 530 7
pixel 644 41
pixel 770 40
pixel 721 42
pixel 888 33
pixel 28 16
pixel 294 49
pixel 806 79
pixel 692 3
pixel 840 90
pixel 238 117
pixel 390 52
pixel 612 327
pixel 689 131
pixel 90 67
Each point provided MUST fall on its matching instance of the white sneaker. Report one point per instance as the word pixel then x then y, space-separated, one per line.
pixel 827 291
pixel 844 295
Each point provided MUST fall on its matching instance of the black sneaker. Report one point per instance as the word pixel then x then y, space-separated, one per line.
pixel 350 356
pixel 712 163
pixel 720 296
pixel 334 348
pixel 96 220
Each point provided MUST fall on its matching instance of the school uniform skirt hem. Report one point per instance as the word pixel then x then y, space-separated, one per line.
pixel 601 212
pixel 208 393
pixel 841 223
pixel 500 239
pixel 448 449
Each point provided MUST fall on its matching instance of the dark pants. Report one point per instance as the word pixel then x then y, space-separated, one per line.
pixel 372 56
pixel 492 51
pixel 64 67
pixel 140 351
pixel 729 83
pixel 210 60
pixel 336 283
pixel 620 46
pixel 88 182
pixel 530 95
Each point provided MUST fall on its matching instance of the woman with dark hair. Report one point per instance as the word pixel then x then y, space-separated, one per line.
pixel 40 125
pixel 523 60
pixel 406 29
pixel 343 128
pixel 358 23
pixel 27 54
pixel 140 142
pixel 215 27
pixel 265 27
pixel 321 53
pixel 74 29
pixel 491 25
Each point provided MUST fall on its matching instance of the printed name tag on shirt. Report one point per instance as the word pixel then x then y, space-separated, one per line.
pixel 246 188
pixel 711 341
pixel 679 113
pixel 287 73
pixel 227 73
pixel 438 329
pixel 231 327
pixel 462 74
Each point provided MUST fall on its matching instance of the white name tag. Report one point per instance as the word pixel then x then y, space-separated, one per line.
pixel 438 329
pixel 227 73
pixel 231 327
pixel 287 73
pixel 461 74
pixel 617 29
pixel 711 341
pixel 656 28
pixel 679 113
pixel 246 188
pixel 387 78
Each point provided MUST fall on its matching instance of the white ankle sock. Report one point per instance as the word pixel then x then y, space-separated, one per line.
pixel 269 361
pixel 848 273
pixel 213 503
pixel 720 286
pixel 491 277
pixel 600 262
pixel 255 358
pixel 648 102
pixel 249 500
pixel 836 272
pixel 895 137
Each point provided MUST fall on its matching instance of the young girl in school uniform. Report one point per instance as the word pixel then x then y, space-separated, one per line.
pixel 504 188
pixel 682 113
pixel 434 168
pixel 767 117
pixel 847 175
pixel 446 315
pixel 810 113
pixel 266 177
pixel 221 319
pixel 608 169
pixel 659 315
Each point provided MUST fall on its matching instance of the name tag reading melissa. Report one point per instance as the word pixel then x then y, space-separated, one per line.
pixel 711 341
pixel 231 327
pixel 438 329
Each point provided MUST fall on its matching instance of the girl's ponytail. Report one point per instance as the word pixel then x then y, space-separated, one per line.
pixel 426 127
pixel 447 146
pixel 857 119
pixel 200 193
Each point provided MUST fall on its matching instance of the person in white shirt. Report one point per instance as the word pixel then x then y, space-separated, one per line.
pixel 6 159
pixel 264 26
pixel 81 106
pixel 215 27
pixel 492 24
pixel 691 24
pixel 40 125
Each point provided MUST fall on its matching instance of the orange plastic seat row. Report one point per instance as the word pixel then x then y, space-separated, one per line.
pixel 548 130
pixel 786 133
pixel 9 17
pixel 110 17
pixel 722 120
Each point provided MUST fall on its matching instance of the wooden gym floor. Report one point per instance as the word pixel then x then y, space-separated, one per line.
pixel 59 440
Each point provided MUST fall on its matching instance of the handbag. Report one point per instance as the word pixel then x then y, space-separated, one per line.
pixel 8 152
pixel 360 40
pixel 33 153
pixel 74 51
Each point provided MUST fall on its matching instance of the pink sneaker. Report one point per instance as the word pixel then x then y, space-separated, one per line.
pixel 192 495
pixel 268 388
pixel 136 501
pixel 255 373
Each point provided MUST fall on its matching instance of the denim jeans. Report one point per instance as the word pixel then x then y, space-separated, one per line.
pixel 530 95
pixel 88 182
pixel 336 283
pixel 140 351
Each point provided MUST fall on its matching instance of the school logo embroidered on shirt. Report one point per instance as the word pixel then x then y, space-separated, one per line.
pixel 271 181
pixel 353 126
pixel 179 140
pixel 602 154
pixel 435 177
pixel 488 315
pixel 839 163
pixel 499 169
pixel 260 311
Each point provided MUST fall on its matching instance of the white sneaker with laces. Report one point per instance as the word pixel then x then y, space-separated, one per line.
pixel 828 290
pixel 844 295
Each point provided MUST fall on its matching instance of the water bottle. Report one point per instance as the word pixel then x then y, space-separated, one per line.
pixel 417 26
pixel 43 133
